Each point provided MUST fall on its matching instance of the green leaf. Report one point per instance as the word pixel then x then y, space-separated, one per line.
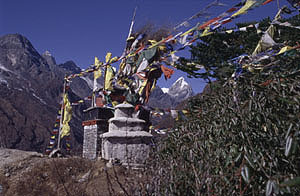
pixel 245 172
pixel 290 183
pixel 271 188
pixel 288 146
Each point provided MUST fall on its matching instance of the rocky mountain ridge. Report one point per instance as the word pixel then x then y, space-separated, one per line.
pixel 30 92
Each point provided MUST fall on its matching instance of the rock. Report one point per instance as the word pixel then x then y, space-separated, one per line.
pixel 84 177
pixel 9 156
pixel 109 164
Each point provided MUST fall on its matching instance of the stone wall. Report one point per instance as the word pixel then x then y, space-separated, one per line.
pixel 95 124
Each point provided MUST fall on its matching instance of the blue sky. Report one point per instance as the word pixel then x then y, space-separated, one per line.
pixel 80 30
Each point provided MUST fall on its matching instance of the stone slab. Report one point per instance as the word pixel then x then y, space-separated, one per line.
pixel 124 110
pixel 90 142
pixel 134 150
pixel 126 134
pixel 126 124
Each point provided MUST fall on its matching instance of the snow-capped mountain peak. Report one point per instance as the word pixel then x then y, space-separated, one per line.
pixel 49 58
pixel 170 97
pixel 180 83
pixel 47 53
pixel 180 89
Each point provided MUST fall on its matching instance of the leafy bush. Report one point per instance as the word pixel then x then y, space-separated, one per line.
pixel 240 139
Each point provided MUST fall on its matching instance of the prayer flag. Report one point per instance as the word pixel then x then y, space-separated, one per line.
pixel 109 77
pixel 97 73
pixel 245 8
pixel 65 131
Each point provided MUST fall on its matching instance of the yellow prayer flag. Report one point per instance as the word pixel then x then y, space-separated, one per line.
pixel 245 8
pixel 108 77
pixel 108 57
pixel 284 49
pixel 97 62
pixel 97 73
pixel 113 59
pixel 206 32
pixel 153 42
pixel 153 85
pixel 185 111
pixel 266 40
pixel 65 131
pixel 122 66
pixel 142 87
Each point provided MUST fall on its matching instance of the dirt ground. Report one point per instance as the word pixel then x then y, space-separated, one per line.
pixel 37 175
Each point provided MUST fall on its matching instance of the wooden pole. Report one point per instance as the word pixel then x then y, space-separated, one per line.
pixel 132 23
pixel 62 115
pixel 129 33
pixel 105 69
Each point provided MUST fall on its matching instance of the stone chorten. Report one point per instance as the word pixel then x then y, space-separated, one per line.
pixel 126 140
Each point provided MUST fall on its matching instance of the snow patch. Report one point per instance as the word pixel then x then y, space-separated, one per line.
pixel 12 58
pixel 47 53
pixel 19 89
pixel 182 81
pixel 89 82
pixel 3 81
pixel 40 99
pixel 165 90
pixel 4 68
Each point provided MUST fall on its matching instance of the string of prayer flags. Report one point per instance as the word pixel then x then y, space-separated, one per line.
pixel 137 47
pixel 54 133
pixel 216 22
pixel 66 143
pixel 198 14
